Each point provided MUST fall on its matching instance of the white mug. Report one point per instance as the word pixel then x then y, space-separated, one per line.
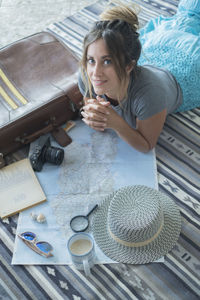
pixel 82 252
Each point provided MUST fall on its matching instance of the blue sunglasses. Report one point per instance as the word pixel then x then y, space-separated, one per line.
pixel 42 248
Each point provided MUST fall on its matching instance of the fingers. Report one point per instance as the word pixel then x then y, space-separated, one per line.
pixel 97 108
pixel 94 116
pixel 95 113
pixel 96 121
pixel 103 101
pixel 93 101
pixel 98 100
pixel 95 124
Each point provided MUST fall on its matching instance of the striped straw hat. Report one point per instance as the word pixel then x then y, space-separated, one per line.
pixel 136 225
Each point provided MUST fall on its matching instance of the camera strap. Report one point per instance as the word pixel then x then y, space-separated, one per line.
pixel 61 137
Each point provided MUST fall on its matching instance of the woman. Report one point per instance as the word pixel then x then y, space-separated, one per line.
pixel 133 100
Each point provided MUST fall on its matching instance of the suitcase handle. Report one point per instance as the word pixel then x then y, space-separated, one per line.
pixel 61 137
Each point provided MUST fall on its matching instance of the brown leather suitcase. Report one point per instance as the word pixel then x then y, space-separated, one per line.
pixel 38 90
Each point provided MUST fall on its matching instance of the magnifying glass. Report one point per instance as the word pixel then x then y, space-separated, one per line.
pixel 80 223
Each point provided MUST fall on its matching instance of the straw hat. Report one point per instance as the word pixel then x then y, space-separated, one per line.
pixel 136 225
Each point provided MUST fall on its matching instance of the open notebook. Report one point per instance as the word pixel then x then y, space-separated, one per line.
pixel 19 188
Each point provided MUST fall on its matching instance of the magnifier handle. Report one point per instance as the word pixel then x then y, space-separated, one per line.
pixel 86 267
pixel 92 210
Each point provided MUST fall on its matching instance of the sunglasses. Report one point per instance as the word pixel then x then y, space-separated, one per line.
pixel 42 248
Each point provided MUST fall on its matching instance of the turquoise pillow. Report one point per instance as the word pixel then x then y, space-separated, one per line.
pixel 174 44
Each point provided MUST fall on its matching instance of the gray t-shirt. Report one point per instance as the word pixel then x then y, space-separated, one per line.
pixel 152 91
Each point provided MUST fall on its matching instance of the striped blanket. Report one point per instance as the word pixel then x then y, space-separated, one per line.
pixel 178 165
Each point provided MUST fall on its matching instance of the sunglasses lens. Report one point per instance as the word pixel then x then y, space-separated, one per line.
pixel 28 236
pixel 44 246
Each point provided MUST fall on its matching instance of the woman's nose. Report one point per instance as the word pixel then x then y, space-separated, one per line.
pixel 97 69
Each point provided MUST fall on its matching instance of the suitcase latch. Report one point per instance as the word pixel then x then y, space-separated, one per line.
pixel 72 105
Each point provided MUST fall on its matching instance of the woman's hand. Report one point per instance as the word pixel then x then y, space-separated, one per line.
pixel 98 114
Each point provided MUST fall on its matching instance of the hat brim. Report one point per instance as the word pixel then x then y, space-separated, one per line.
pixel 144 254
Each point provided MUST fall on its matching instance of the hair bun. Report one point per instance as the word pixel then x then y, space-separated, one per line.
pixel 121 11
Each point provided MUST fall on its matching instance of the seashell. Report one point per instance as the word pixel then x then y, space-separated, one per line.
pixel 41 218
pixel 33 216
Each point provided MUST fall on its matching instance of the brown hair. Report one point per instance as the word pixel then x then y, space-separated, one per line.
pixel 118 28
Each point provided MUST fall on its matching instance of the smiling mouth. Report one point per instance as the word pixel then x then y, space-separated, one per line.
pixel 99 82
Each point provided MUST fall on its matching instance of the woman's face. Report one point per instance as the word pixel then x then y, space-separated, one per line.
pixel 101 70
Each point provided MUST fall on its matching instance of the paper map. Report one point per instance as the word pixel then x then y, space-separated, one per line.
pixel 95 165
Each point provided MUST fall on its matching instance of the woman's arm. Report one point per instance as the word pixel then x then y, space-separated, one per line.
pixel 99 116
pixel 145 136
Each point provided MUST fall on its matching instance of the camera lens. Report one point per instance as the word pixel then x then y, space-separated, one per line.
pixel 54 155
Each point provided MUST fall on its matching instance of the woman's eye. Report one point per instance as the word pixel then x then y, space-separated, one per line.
pixel 90 61
pixel 107 61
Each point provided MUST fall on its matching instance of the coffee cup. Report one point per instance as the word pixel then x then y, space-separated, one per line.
pixel 81 249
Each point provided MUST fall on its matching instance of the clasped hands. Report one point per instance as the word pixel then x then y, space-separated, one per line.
pixel 98 114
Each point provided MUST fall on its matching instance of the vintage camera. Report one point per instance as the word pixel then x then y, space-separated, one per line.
pixel 44 152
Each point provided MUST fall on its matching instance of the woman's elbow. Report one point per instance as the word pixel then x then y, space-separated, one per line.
pixel 148 146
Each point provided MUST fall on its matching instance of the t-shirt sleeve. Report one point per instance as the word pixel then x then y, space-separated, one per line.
pixel 151 101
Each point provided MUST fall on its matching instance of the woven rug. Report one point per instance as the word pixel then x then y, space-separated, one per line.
pixel 178 163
